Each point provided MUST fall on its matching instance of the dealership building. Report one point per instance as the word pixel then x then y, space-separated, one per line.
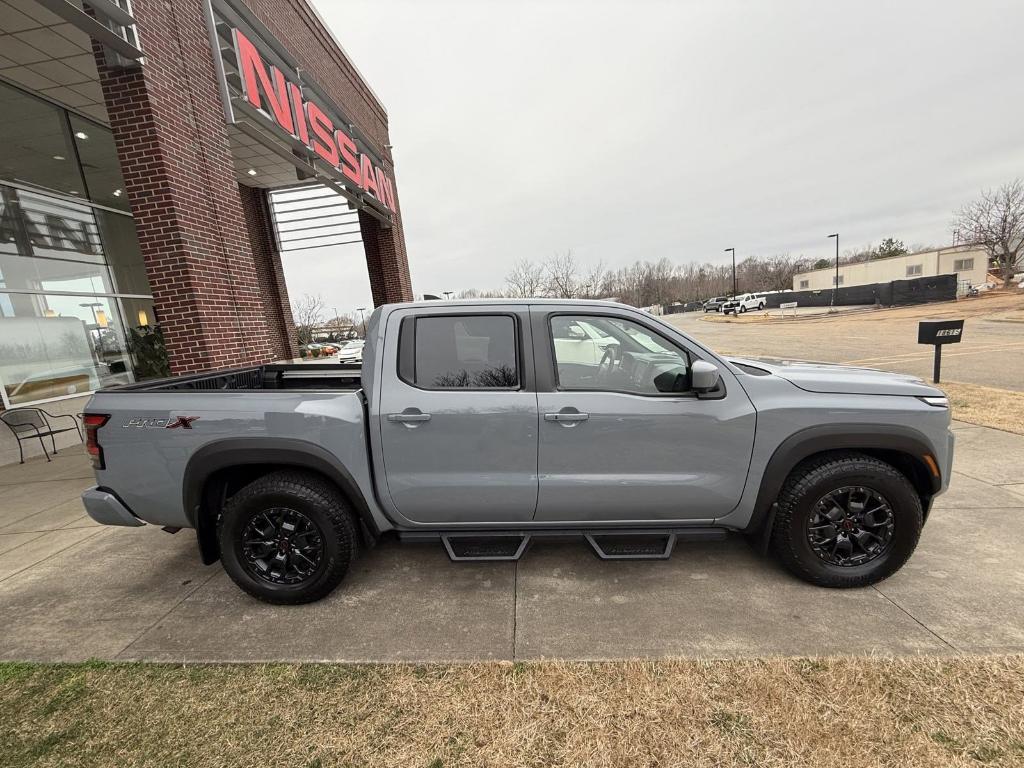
pixel 156 159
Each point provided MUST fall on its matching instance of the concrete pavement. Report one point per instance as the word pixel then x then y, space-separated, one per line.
pixel 70 590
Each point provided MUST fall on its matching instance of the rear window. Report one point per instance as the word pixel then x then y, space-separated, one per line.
pixel 459 352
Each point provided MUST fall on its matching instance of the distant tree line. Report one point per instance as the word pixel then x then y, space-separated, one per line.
pixel 994 222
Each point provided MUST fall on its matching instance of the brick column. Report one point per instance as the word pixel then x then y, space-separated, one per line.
pixel 172 141
pixel 270 273
pixel 386 260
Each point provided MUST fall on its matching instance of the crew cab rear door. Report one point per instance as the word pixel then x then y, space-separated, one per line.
pixel 458 415
pixel 614 446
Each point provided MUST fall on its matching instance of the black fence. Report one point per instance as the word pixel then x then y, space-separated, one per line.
pixel 920 290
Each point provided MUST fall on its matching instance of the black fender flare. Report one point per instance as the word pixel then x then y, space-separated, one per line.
pixel 282 451
pixel 885 438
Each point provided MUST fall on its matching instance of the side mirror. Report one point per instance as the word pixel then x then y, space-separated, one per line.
pixel 703 376
pixel 576 333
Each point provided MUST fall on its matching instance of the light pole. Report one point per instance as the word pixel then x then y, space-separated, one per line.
pixel 362 322
pixel 835 288
pixel 448 294
pixel 733 250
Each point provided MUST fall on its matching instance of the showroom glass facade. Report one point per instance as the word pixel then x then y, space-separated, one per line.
pixel 75 306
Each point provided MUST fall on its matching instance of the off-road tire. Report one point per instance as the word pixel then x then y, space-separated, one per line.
pixel 318 500
pixel 814 479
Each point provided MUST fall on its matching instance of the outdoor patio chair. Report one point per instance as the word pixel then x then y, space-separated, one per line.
pixel 33 423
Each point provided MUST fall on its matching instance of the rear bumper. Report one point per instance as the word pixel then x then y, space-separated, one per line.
pixel 105 508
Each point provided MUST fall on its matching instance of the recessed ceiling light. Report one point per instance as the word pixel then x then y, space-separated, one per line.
pixel 118 193
pixel 251 171
pixel 81 135
pixel 58 157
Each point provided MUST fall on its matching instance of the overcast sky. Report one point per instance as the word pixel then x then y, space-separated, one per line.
pixel 639 130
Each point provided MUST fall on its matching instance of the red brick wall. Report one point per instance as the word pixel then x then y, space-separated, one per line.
pixel 270 273
pixel 172 139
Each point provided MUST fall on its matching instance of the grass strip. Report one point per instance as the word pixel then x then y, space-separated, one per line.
pixel 921 711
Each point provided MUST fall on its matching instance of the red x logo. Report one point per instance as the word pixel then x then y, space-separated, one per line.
pixel 183 421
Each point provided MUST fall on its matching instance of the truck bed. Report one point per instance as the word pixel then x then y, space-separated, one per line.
pixel 283 376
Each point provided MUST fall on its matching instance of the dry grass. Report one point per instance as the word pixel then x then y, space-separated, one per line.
pixel 779 712
pixel 987 406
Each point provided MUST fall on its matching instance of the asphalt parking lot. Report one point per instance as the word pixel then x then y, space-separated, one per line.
pixel 70 590
pixel 991 354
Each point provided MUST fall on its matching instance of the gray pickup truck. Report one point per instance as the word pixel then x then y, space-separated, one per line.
pixel 486 425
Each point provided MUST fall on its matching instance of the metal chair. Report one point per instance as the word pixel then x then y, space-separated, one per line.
pixel 31 423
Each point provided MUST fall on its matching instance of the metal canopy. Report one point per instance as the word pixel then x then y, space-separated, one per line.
pixel 312 216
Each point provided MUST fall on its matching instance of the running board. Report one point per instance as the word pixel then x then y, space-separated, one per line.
pixel 607 544
pixel 652 546
pixel 485 547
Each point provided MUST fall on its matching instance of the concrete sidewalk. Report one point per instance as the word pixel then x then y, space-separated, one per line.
pixel 70 590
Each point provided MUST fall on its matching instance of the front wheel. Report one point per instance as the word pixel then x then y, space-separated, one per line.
pixel 742 309
pixel 846 520
pixel 287 537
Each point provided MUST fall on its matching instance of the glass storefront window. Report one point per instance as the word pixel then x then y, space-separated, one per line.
pixel 75 309
pixel 98 155
pixel 35 143
pixel 57 345
pixel 122 252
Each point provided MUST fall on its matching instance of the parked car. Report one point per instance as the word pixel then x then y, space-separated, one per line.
pixel 715 304
pixel 743 303
pixel 351 352
pixel 471 424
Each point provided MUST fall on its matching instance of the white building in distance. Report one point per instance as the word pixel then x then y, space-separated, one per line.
pixel 969 263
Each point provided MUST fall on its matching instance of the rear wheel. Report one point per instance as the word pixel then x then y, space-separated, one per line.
pixel 846 520
pixel 287 537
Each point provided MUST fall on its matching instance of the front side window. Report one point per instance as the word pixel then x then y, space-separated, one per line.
pixel 464 352
pixel 613 354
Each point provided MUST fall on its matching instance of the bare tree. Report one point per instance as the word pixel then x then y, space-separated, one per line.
pixel 308 313
pixel 525 281
pixel 995 221
pixel 562 276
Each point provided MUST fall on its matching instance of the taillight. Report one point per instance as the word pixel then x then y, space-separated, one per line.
pixel 93 422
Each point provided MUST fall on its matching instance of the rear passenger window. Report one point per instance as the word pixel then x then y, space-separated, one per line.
pixel 460 352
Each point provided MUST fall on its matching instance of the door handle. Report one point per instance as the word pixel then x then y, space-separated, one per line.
pixel 566 417
pixel 408 418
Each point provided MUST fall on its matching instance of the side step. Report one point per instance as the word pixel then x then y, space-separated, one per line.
pixel 495 547
pixel 650 546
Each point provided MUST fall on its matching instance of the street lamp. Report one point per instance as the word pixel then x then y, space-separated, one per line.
pixel 362 322
pixel 448 294
pixel 733 250
pixel 835 288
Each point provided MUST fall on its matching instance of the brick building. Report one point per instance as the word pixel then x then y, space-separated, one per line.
pixel 139 157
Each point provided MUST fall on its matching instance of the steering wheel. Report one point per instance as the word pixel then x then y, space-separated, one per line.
pixel 610 357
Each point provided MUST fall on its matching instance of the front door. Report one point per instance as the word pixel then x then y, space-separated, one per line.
pixel 625 439
pixel 458 426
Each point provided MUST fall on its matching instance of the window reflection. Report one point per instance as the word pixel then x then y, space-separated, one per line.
pixel 58 345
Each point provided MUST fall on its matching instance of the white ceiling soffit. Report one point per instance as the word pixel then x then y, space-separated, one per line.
pixel 44 49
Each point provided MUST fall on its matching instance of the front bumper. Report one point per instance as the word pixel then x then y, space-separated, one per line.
pixel 105 508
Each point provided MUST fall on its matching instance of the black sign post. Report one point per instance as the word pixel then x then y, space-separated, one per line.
pixel 937 333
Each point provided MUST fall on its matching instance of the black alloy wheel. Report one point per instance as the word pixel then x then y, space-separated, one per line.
pixel 282 546
pixel 288 537
pixel 845 519
pixel 851 526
